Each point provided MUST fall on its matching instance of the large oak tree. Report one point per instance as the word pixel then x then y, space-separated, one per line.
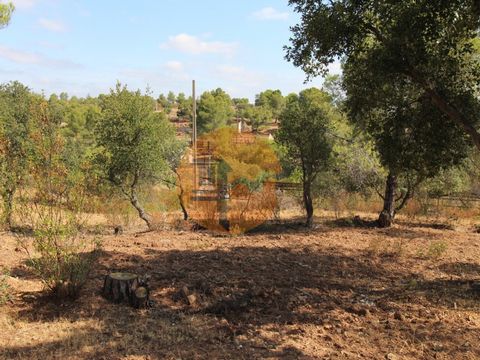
pixel 426 42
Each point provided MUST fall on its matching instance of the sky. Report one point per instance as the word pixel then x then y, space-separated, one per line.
pixel 83 47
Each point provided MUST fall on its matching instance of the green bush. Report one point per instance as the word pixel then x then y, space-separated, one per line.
pixel 434 251
pixel 63 259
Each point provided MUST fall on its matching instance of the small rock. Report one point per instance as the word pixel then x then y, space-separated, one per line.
pixel 192 299
pixel 391 356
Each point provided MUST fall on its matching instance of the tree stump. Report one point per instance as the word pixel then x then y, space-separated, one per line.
pixel 126 287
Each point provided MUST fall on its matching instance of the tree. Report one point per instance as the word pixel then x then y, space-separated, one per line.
pixel 414 139
pixel 136 144
pixel 242 106
pixel 304 132
pixel 15 119
pixel 185 106
pixel 214 110
pixel 258 116
pixel 76 119
pixel 272 99
pixel 165 104
pixel 427 43
pixel 171 98
pixel 6 11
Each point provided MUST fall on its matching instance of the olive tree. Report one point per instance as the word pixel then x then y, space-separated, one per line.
pixel 135 144
pixel 304 133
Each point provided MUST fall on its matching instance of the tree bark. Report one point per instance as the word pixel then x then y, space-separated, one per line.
pixel 125 287
pixel 182 204
pixel 308 202
pixel 141 211
pixel 388 213
pixel 184 209
pixel 118 287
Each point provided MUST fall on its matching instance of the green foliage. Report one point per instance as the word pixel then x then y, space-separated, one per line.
pixel 64 260
pixel 15 123
pixel 135 141
pixel 423 47
pixel 410 133
pixel 214 110
pixel 258 116
pixel 137 145
pixel 165 104
pixel 185 106
pixel 272 100
pixel 451 181
pixel 355 167
pixel 6 11
pixel 242 106
pixel 76 119
pixel 434 251
pixel 304 133
pixel 54 205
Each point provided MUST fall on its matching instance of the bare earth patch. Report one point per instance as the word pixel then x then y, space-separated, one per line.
pixel 335 292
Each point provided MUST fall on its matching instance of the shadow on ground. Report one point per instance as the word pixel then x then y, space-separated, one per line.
pixel 240 290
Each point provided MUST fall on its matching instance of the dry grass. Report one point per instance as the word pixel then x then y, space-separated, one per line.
pixel 333 292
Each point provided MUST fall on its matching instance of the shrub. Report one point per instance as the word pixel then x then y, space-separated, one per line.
pixel 60 257
pixel 63 259
pixel 434 251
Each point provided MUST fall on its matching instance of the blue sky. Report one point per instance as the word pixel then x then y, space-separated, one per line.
pixel 84 47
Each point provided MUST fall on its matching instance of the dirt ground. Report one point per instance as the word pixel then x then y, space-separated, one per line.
pixel 335 292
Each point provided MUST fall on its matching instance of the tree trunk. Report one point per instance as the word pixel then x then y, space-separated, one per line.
pixel 388 213
pixel 182 205
pixel 125 287
pixel 141 211
pixel 307 200
pixel 184 209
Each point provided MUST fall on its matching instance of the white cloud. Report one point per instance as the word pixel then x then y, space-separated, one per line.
pixel 24 4
pixel 24 57
pixel 19 57
pixel 52 25
pixel 193 45
pixel 174 66
pixel 239 75
pixel 269 13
